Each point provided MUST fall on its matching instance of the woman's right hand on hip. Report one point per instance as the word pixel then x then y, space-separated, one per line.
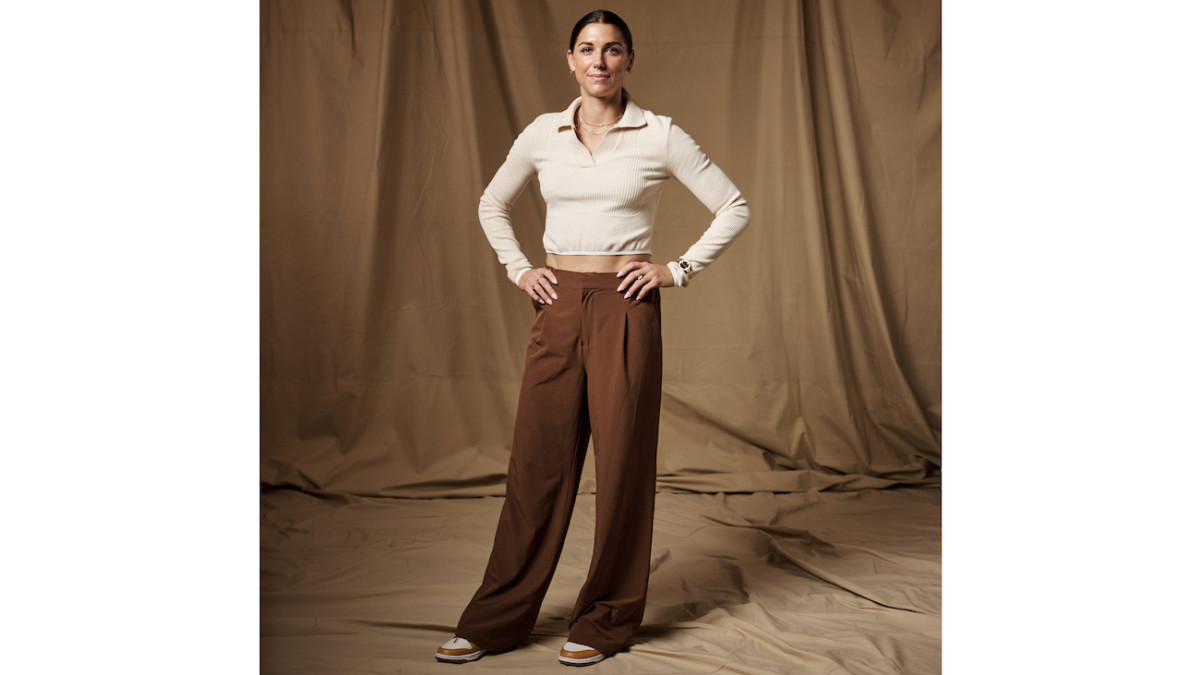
pixel 539 284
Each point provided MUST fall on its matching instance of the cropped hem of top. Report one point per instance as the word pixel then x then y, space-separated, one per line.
pixel 604 203
pixel 646 252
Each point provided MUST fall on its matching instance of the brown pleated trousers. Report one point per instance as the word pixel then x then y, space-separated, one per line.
pixel 593 366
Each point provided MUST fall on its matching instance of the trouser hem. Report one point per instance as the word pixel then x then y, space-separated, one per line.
pixel 585 635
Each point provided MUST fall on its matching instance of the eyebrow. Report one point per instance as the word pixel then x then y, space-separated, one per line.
pixel 619 44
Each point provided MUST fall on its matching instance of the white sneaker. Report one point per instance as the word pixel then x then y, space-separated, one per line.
pixel 575 654
pixel 459 650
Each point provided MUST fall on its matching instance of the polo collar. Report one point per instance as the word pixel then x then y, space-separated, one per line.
pixel 634 116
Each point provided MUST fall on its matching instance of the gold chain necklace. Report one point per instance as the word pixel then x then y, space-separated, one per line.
pixel 585 123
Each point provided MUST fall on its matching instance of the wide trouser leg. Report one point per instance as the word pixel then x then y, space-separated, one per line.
pixel 622 348
pixel 549 445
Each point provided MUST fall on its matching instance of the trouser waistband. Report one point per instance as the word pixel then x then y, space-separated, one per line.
pixel 586 280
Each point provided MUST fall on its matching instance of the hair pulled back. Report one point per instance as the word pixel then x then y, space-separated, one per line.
pixel 601 16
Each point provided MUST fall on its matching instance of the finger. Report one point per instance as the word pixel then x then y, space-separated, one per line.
pixel 543 296
pixel 539 287
pixel 624 282
pixel 551 277
pixel 534 288
pixel 638 280
pixel 650 284
pixel 632 271
pixel 628 284
pixel 651 281
pixel 547 289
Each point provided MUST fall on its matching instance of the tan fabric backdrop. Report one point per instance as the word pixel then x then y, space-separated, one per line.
pixel 807 357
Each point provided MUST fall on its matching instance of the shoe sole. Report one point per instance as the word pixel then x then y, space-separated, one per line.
pixel 581 662
pixel 465 658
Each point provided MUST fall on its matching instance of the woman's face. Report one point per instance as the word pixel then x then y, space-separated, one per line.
pixel 600 60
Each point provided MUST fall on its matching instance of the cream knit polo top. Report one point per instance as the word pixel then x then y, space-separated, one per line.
pixel 604 204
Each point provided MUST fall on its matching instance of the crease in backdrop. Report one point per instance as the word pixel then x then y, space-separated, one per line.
pixel 808 357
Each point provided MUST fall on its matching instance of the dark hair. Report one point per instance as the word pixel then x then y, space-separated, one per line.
pixel 601 16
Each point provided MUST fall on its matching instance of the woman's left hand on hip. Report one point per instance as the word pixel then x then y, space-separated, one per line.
pixel 639 277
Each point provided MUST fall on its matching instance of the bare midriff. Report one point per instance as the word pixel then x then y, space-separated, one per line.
pixel 593 263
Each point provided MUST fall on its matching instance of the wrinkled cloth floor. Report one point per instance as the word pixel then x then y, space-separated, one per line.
pixel 818 582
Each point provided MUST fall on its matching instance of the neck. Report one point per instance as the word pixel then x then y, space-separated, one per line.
pixel 601 110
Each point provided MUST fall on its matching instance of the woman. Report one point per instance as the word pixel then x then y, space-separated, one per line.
pixel 594 362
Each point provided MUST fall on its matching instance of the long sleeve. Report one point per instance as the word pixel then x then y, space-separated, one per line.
pixel 495 206
pixel 688 163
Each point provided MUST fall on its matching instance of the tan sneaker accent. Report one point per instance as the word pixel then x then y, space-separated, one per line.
pixel 574 654
pixel 459 650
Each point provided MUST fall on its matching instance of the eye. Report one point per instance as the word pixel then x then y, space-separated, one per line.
pixel 585 50
pixel 614 50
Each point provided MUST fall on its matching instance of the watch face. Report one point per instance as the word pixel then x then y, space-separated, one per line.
pixel 685 264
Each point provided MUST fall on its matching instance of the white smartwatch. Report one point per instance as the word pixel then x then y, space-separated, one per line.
pixel 680 271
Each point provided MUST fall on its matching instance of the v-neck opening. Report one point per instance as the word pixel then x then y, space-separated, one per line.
pixel 591 153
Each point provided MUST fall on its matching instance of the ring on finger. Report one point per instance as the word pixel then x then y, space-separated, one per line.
pixel 641 276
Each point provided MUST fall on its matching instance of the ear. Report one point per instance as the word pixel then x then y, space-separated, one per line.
pixel 629 69
pixel 570 65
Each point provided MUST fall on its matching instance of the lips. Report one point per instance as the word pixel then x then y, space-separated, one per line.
pixel 598 76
